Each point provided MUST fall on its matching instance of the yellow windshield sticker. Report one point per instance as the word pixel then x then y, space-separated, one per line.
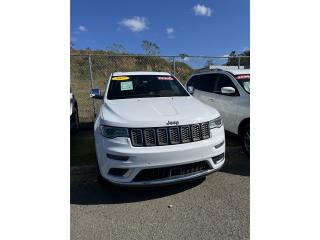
pixel 120 78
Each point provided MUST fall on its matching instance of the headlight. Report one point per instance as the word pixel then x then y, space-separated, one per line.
pixel 215 123
pixel 113 132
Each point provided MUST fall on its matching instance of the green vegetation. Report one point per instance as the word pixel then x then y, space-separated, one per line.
pixel 150 48
pixel 233 61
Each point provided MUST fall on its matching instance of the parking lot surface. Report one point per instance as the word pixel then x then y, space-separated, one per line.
pixel 215 208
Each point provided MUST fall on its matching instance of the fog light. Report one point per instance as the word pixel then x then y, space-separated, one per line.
pixel 117 157
pixel 218 158
pixel 117 171
pixel 219 145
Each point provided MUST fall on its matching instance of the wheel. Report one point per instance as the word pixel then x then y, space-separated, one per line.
pixel 245 139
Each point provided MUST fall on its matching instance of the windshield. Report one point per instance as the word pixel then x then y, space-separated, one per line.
pixel 244 81
pixel 143 86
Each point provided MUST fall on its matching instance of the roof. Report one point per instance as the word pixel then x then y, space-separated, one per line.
pixel 139 73
pixel 234 72
pixel 239 71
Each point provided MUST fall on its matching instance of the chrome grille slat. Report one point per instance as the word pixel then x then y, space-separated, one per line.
pixel 174 135
pixel 136 137
pixel 195 132
pixel 185 134
pixel 162 136
pixel 149 137
pixel 205 130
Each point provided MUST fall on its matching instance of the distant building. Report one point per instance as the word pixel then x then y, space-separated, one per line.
pixel 212 67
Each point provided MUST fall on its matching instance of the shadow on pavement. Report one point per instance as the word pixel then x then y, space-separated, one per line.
pixel 237 162
pixel 88 190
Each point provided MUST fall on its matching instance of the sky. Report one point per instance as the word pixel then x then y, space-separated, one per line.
pixel 211 28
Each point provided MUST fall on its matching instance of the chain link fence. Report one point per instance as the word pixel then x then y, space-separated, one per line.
pixel 92 71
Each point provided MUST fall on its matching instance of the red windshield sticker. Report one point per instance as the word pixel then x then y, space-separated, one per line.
pixel 165 78
pixel 242 76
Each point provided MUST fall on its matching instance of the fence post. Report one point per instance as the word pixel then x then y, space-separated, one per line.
pixel 239 62
pixel 174 66
pixel 91 83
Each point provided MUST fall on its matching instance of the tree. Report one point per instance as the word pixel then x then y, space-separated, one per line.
pixel 245 61
pixel 183 55
pixel 150 48
pixel 117 48
pixel 72 45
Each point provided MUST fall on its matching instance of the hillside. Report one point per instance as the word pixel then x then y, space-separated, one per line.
pixel 103 64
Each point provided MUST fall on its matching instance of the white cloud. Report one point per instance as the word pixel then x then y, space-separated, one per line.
pixel 170 32
pixel 135 24
pixel 245 49
pixel 202 10
pixel 82 28
pixel 225 55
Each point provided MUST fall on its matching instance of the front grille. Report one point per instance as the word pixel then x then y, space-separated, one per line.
pixel 148 137
pixel 167 172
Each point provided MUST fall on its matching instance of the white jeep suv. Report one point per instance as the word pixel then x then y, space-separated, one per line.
pixel 228 91
pixel 150 130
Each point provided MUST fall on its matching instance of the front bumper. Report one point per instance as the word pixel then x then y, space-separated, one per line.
pixel 141 158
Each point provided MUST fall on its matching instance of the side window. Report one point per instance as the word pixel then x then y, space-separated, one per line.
pixel 193 82
pixel 224 81
pixel 206 82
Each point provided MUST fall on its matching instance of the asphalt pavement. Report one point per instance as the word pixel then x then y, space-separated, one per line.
pixel 215 208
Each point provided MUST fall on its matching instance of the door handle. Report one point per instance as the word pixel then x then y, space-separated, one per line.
pixel 211 99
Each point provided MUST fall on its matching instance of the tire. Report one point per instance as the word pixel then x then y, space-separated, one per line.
pixel 76 127
pixel 245 139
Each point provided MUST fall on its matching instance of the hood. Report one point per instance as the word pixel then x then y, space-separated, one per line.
pixel 155 112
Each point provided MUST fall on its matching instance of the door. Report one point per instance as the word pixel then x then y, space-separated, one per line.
pixel 227 105
pixel 203 88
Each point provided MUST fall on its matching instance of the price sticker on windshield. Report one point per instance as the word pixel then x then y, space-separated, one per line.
pixel 122 78
pixel 125 86
pixel 166 78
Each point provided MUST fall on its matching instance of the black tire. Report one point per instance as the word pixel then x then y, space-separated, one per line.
pixel 245 139
pixel 76 127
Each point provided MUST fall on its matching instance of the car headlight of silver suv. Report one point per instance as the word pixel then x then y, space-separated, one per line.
pixel 113 132
pixel 215 123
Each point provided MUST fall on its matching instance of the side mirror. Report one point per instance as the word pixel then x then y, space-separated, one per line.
pixel 228 90
pixel 96 93
pixel 191 89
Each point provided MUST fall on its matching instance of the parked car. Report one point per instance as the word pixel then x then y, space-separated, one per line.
pixel 229 93
pixel 74 116
pixel 151 131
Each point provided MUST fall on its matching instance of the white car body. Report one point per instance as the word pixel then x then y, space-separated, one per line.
pixel 234 108
pixel 155 113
